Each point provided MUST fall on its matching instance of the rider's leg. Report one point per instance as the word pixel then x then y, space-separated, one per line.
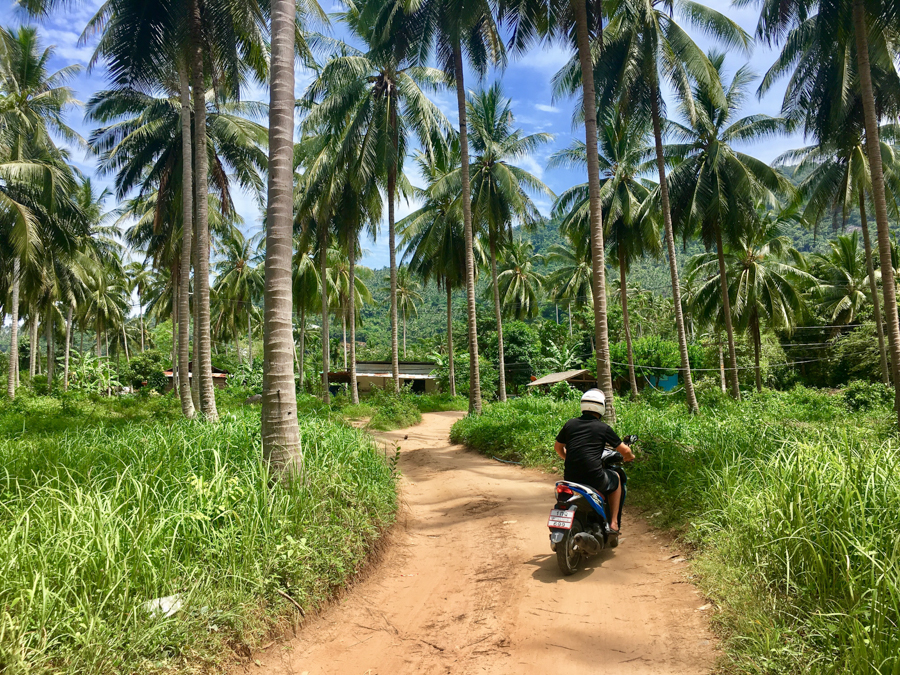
pixel 614 499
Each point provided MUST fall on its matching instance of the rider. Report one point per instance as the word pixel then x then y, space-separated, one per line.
pixel 581 443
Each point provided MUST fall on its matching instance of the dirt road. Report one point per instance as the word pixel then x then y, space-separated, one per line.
pixel 469 585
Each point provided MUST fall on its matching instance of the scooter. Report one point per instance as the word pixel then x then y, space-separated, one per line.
pixel 581 509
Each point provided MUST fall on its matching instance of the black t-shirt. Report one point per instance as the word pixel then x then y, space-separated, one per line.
pixel 586 438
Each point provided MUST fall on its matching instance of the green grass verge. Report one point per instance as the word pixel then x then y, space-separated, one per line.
pixel 106 505
pixel 792 502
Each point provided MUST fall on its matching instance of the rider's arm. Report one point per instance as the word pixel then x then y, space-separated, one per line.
pixel 626 452
pixel 560 449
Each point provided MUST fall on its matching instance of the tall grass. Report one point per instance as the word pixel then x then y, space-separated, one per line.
pixel 794 506
pixel 98 519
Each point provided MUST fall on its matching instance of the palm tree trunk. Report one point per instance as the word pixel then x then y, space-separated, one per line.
pixel 35 347
pixel 99 343
pixel 598 260
pixel 125 342
pixel 203 369
pixel 392 195
pixel 141 315
pixel 302 345
pixel 344 336
pixel 873 287
pixel 873 150
pixel 495 287
pixel 323 262
pixel 50 352
pixel 670 245
pixel 195 316
pixel 237 348
pixel 726 308
pixel 570 319
pixel 249 339
pixel 404 335
pixel 450 337
pixel 623 296
pixel 721 364
pixel 12 376
pixel 351 256
pixel 756 348
pixel 474 374
pixel 182 284
pixel 66 351
pixel 280 432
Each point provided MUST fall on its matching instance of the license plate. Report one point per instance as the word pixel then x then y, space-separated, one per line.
pixel 561 520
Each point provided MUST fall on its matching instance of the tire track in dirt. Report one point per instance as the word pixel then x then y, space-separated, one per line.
pixel 469 585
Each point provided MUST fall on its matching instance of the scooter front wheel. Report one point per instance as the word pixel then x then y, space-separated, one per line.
pixel 568 556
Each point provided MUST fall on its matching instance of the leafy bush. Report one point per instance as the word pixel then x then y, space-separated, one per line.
pixel 248 376
pixel 794 514
pixel 563 391
pixel 144 367
pixel 860 395
pixel 440 402
pixel 393 411
pixel 102 518
pixel 40 385
pixel 488 374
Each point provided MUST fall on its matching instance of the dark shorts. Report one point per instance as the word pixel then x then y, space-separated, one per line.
pixel 605 481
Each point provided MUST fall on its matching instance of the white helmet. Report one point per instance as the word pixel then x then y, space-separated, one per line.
pixel 594 400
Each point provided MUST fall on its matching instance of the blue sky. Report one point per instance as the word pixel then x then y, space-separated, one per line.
pixel 526 81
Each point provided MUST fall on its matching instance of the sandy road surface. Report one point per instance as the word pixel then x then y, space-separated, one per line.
pixel 469 585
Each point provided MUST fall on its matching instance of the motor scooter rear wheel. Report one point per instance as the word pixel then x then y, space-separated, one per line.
pixel 568 557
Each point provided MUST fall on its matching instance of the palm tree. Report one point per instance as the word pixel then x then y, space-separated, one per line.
pixel 374 102
pixel 843 279
pixel 145 140
pixel 571 280
pixel 643 43
pixel 631 232
pixel 345 304
pixel 306 287
pixel 33 102
pixel 764 290
pixel 239 282
pixel 819 49
pixel 521 285
pixel 450 29
pixel 432 237
pixel 577 23
pixel 407 296
pixel 715 188
pixel 838 179
pixel 499 189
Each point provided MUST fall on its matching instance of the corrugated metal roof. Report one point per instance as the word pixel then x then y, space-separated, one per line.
pixel 553 378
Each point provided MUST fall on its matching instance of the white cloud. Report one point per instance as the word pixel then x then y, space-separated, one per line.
pixel 546 108
pixel 548 58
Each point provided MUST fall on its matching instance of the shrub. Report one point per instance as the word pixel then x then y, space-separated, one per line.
pixel 488 374
pixel 393 411
pixel 860 395
pixel 143 367
pixel 563 391
pixel 40 385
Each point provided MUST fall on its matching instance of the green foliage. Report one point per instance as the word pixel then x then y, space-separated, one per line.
pixel 110 504
pixel 860 395
pixel 487 372
pixel 440 402
pixel 247 376
pixel 145 367
pixel 563 391
pixel 92 374
pixel 793 513
pixel 392 410
pixel 40 385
